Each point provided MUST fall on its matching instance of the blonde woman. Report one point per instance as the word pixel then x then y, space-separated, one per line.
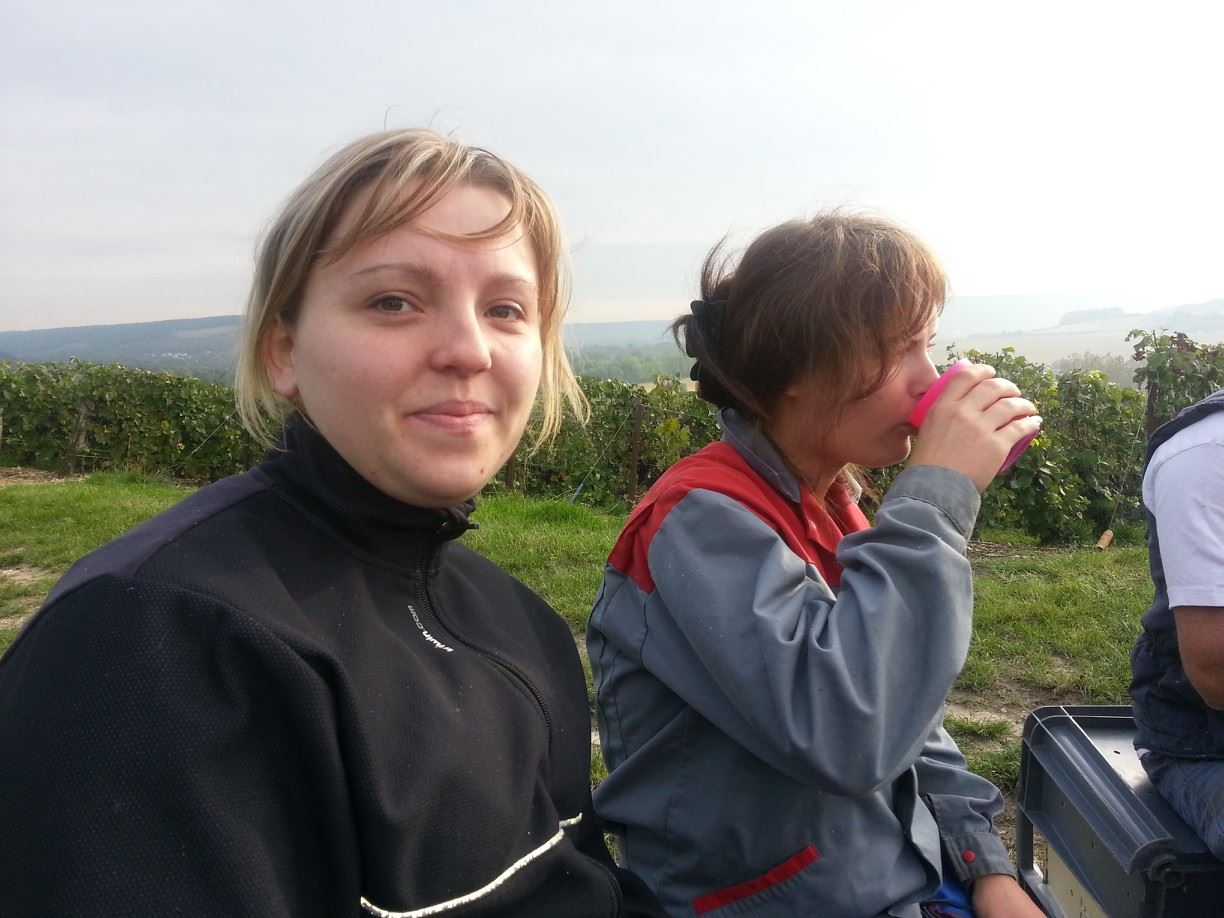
pixel 297 692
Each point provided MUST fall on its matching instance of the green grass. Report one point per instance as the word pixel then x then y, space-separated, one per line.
pixel 18 599
pixel 556 548
pixel 50 526
pixel 1011 537
pixel 998 764
pixel 44 528
pixel 1051 626
pixel 975 728
pixel 1058 623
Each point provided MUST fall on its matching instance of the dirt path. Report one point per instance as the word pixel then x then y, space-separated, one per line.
pixel 16 474
pixel 22 576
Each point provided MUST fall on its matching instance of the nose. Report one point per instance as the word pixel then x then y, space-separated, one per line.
pixel 461 344
pixel 924 375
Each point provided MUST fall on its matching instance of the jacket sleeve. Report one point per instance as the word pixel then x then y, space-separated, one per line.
pixel 965 806
pixel 161 754
pixel 840 691
pixel 637 901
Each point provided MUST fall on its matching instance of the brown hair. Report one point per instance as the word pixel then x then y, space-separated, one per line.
pixel 833 297
pixel 397 176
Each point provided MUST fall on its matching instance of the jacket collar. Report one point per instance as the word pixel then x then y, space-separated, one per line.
pixel 760 454
pixel 763 457
pixel 310 472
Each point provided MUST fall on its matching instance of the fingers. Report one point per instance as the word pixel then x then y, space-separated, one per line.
pixel 967 379
pixel 978 388
pixel 1005 410
pixel 989 390
pixel 1022 427
pixel 974 424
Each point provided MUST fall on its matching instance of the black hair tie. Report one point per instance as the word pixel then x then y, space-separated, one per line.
pixel 709 318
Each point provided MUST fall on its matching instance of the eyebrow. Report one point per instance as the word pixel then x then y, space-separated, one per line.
pixel 427 275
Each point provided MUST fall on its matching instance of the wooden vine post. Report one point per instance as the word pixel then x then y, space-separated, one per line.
pixel 77 446
pixel 635 448
pixel 511 473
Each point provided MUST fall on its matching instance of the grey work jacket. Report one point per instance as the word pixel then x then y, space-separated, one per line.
pixel 775 746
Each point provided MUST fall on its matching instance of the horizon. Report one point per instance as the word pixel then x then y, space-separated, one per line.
pixel 1072 304
pixel 1087 305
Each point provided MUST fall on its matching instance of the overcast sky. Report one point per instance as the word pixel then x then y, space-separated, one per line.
pixel 1054 148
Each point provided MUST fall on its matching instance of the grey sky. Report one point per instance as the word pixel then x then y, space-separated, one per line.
pixel 1045 148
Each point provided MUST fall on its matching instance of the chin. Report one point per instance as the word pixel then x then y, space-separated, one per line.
pixel 450 496
pixel 896 456
pixel 429 495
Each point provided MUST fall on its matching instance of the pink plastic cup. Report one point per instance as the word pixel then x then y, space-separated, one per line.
pixel 918 415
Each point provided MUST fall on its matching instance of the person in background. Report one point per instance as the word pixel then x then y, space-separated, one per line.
pixel 296 692
pixel 1178 661
pixel 771 668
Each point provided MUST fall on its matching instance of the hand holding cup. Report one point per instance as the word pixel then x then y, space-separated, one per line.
pixel 974 422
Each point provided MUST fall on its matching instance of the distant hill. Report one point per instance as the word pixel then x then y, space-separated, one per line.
pixel 615 334
pixel 201 347
pixel 1100 331
pixel 212 342
pixel 979 315
pixel 207 347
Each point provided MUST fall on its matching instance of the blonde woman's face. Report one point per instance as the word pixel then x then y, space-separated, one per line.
pixel 419 358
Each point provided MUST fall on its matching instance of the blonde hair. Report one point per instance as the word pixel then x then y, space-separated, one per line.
pixel 398 175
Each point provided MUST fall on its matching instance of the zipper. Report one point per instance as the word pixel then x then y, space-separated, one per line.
pixel 498 660
pixel 428 607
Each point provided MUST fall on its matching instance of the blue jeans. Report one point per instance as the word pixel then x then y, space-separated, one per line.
pixel 1195 789
pixel 951 900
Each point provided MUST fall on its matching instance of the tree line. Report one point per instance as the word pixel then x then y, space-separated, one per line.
pixel 1080 476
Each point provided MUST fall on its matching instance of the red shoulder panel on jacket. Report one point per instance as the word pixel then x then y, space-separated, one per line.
pixel 721 469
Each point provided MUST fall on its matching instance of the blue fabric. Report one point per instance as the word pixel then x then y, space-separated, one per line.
pixel 1195 789
pixel 951 900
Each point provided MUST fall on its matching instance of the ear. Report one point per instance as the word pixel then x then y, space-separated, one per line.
pixel 801 395
pixel 277 352
pixel 796 391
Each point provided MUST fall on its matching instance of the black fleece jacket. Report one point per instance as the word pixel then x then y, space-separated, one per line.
pixel 291 695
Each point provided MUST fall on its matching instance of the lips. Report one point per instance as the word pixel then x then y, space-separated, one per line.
pixel 458 416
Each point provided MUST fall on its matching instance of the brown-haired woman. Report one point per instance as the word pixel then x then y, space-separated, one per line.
pixel 296 693
pixel 770 668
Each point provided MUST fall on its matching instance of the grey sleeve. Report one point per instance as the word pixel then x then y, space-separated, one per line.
pixel 839 691
pixel 965 806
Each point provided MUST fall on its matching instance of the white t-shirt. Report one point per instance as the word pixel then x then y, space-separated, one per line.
pixel 1184 490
